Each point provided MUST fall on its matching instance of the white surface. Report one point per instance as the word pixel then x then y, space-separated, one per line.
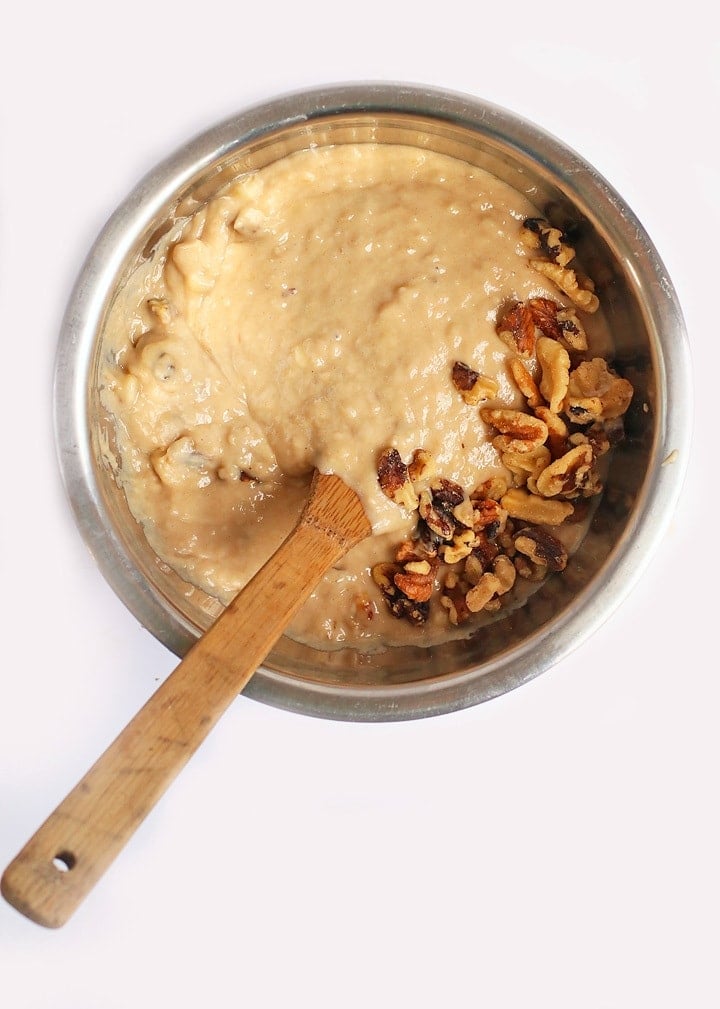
pixel 553 848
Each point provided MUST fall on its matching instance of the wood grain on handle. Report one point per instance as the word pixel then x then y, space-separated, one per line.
pixel 69 853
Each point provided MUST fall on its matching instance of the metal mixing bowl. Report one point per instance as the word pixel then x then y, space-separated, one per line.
pixel 651 350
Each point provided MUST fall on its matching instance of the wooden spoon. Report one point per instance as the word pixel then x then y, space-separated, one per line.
pixel 64 859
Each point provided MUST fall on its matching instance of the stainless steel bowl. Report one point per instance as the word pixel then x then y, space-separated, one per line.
pixel 651 350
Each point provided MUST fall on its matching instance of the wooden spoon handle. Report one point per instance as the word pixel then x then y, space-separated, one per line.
pixel 64 859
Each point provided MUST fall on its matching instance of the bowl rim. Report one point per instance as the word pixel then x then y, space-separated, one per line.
pixel 669 453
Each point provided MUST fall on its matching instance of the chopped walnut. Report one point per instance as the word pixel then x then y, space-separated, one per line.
pixel 538 233
pixel 416 585
pixel 437 504
pixel 505 541
pixel 464 513
pixel 517 329
pixel 492 489
pixel 473 569
pixel 526 465
pixel 519 432
pixel 428 541
pixel 406 593
pixel 414 612
pixel 488 517
pixel 573 332
pixel 480 595
pixel 554 362
pixel 421 467
pixel 532 508
pixel 436 517
pixel 596 436
pixel 487 548
pixel 407 551
pixel 558 431
pixel 525 382
pixel 472 386
pixel 446 493
pixel 541 548
pixel 520 325
pixel 528 569
pixel 460 548
pixel 491 584
pixel 596 393
pixel 453 600
pixel 394 479
pixel 418 567
pixel 577 288
pixel 568 475
pixel 504 571
pixel 383 575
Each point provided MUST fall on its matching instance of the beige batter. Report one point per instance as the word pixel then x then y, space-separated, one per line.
pixel 310 317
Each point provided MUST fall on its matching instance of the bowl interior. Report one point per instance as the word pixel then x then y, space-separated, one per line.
pixel 404 682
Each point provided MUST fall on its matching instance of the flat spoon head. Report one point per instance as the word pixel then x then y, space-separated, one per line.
pixel 69 853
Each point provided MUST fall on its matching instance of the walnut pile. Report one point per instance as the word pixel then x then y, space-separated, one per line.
pixel 468 549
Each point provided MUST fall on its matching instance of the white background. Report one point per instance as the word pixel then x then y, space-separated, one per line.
pixel 556 848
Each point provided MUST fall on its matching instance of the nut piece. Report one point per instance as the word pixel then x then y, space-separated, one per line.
pixel 472 386
pixel 460 548
pixel 554 361
pixel 437 519
pixel 528 569
pixel 414 584
pixel 453 600
pixel 538 233
pixel 407 609
pixel 473 569
pixel 395 481
pixel 525 382
pixel 596 393
pixel 408 550
pixel 532 508
pixel 401 604
pixel 544 312
pixel 464 513
pixel 421 467
pixel 504 571
pixel 519 432
pixel 519 326
pixel 558 430
pixel 573 333
pixel 446 493
pixel 480 595
pixel 488 517
pixel 517 329
pixel 492 583
pixel 384 575
pixel 578 289
pixel 492 489
pixel 526 466
pixel 569 475
pixel 542 548
pixel 596 436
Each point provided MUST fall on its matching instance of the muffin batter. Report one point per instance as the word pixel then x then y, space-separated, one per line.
pixel 310 316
